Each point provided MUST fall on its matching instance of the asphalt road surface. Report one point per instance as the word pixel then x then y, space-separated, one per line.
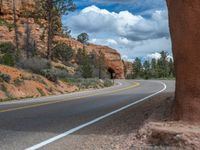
pixel 36 123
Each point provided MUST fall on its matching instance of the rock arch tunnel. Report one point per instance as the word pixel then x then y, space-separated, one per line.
pixel 111 73
pixel 184 23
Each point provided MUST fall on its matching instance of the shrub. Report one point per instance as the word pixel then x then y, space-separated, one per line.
pixel 7 59
pixel 50 75
pixel 7 24
pixel 7 47
pixel 60 73
pixel 5 77
pixel 7 54
pixel 54 74
pixel 89 83
pixel 18 82
pixel 62 52
pixel 35 64
pixel 41 92
pixel 108 83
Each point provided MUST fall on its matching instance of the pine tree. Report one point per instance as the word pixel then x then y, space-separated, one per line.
pixel 86 67
pixel 100 63
pixel 15 26
pixel 137 68
pixel 146 73
pixel 154 73
pixel 52 10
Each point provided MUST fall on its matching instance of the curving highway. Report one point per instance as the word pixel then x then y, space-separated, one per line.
pixel 35 123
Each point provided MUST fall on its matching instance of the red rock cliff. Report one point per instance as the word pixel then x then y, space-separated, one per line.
pixel 184 17
pixel 113 58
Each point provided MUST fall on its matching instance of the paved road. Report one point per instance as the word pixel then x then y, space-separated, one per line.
pixel 34 123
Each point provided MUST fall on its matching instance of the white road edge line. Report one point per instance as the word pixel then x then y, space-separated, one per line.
pixel 53 139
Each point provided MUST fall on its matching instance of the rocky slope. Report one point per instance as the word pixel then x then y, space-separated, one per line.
pixel 184 26
pixel 25 85
pixel 113 58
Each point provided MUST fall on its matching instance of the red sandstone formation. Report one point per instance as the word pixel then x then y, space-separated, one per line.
pixel 128 68
pixel 184 18
pixel 112 57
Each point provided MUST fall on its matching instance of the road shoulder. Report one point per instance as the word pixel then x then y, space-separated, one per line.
pixel 121 130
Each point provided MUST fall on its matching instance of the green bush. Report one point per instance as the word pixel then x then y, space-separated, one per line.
pixel 35 64
pixel 7 59
pixel 60 73
pixel 7 51
pixel 54 74
pixel 50 75
pixel 41 92
pixel 62 52
pixel 89 83
pixel 5 77
pixel 7 47
pixel 7 24
pixel 18 81
pixel 108 83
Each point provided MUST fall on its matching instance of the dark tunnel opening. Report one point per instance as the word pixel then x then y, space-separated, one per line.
pixel 111 73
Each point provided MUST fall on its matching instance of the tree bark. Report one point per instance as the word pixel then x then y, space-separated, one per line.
pixel 184 22
pixel 50 32
pixel 15 26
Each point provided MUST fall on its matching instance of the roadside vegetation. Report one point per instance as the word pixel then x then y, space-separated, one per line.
pixel 57 63
pixel 162 68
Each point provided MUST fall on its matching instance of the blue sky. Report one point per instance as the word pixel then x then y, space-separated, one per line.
pixel 136 28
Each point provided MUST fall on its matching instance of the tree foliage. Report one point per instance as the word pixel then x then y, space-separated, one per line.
pixel 52 10
pixel 161 68
pixel 83 38
pixel 137 68
pixel 62 52
pixel 100 64
pixel 85 62
pixel 7 54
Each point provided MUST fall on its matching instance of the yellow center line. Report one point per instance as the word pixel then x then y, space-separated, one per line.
pixel 54 102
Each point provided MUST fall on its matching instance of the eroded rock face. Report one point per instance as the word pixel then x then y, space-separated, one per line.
pixel 184 17
pixel 6 6
pixel 128 69
pixel 112 57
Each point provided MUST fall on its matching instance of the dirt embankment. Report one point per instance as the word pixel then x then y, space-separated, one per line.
pixel 147 125
pixel 24 85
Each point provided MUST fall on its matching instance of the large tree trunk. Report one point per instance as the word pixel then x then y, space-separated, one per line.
pixel 15 26
pixel 50 30
pixel 184 20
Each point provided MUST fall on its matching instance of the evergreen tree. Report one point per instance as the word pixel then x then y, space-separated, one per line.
pixel 146 72
pixel 154 68
pixel 83 38
pixel 52 10
pixel 137 68
pixel 161 68
pixel 15 26
pixel 171 68
pixel 85 62
pixel 100 63
pixel 86 67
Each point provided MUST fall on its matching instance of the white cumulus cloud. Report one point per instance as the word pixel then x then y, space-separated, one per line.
pixel 133 35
